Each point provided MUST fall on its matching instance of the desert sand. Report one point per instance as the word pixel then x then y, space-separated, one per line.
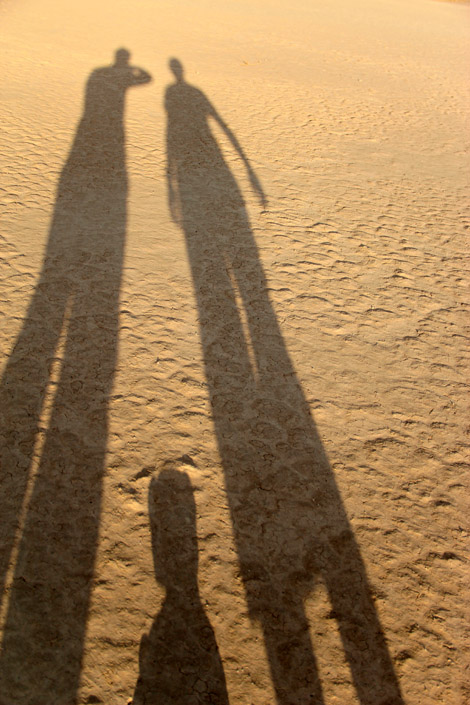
pixel 234 352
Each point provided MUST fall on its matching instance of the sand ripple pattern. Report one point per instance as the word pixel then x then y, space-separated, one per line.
pixel 358 137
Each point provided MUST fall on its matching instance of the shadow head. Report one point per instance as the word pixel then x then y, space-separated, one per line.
pixel 177 69
pixel 121 57
pixel 172 513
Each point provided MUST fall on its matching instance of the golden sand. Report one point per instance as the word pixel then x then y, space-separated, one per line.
pixel 234 396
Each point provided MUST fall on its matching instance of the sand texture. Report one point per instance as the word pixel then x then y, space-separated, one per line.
pixel 234 352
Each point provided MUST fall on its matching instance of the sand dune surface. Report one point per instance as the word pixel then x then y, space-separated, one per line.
pixel 234 352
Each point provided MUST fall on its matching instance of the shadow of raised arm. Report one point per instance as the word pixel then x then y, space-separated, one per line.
pixel 140 76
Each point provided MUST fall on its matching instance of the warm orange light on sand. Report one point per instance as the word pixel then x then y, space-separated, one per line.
pixel 234 362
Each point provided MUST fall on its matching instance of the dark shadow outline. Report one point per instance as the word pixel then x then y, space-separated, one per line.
pixel 76 299
pixel 278 479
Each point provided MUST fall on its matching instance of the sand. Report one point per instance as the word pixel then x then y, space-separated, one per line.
pixel 234 353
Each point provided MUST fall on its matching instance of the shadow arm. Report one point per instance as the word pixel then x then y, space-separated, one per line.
pixel 173 191
pixel 140 76
pixel 255 182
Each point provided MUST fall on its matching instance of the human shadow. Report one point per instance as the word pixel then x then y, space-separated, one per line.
pixel 179 661
pixel 64 358
pixel 289 520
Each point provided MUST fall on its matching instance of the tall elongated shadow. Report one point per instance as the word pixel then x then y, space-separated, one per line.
pixel 75 309
pixel 289 521
pixel 179 661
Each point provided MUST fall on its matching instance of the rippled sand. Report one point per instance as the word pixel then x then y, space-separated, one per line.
pixel 234 340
